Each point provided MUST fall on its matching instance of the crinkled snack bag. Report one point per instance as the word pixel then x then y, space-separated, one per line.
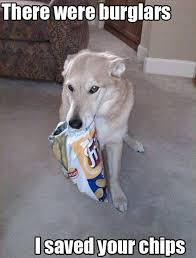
pixel 58 141
pixel 79 153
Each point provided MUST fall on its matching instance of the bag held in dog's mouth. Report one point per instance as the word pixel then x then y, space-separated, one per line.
pixel 79 154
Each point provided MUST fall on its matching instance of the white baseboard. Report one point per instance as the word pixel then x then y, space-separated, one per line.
pixel 172 67
pixel 142 53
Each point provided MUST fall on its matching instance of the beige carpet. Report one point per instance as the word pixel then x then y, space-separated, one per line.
pixel 160 185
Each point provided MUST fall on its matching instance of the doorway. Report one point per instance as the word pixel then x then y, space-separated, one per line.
pixel 128 32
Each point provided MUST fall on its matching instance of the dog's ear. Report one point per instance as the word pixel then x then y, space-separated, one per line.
pixel 118 67
pixel 66 64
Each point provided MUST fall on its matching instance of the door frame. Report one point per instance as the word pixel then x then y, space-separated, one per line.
pixel 133 43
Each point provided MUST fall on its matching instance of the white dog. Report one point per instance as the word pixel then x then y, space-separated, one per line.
pixel 94 87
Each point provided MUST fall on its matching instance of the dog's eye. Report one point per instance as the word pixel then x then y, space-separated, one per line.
pixel 93 90
pixel 70 87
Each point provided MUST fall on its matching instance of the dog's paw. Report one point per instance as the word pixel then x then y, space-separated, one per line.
pixel 139 147
pixel 119 200
pixel 120 203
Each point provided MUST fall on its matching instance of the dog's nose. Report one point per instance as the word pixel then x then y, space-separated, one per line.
pixel 75 123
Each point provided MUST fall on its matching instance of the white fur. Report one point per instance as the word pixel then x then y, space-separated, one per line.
pixel 111 105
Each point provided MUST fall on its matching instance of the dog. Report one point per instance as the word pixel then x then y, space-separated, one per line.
pixel 95 87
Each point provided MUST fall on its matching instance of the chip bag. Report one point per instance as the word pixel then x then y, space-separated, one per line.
pixel 79 154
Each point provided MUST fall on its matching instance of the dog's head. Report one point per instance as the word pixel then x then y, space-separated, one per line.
pixel 90 80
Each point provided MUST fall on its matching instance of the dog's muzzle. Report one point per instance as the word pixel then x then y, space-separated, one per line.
pixel 75 122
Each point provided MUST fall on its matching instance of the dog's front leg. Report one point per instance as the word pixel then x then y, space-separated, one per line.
pixel 114 154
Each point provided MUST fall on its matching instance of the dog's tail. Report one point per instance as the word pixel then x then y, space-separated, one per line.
pixel 133 143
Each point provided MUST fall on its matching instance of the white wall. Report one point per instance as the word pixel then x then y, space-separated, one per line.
pixel 174 39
